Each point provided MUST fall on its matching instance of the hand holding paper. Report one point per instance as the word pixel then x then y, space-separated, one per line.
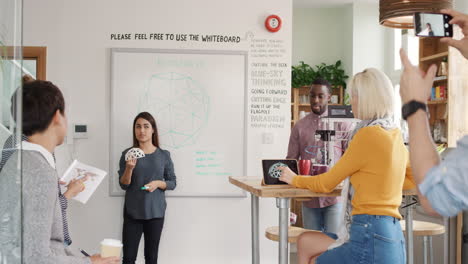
pixel 81 174
pixel 74 187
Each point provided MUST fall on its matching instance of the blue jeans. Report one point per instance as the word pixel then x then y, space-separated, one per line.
pixel 324 219
pixel 374 239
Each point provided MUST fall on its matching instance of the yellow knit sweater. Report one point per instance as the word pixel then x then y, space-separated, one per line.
pixel 378 163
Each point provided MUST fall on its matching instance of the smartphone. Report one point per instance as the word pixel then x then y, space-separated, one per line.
pixel 432 25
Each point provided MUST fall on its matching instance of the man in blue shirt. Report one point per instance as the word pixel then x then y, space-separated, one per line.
pixel 442 185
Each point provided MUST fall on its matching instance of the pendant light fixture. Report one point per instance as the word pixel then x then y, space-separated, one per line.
pixel 399 13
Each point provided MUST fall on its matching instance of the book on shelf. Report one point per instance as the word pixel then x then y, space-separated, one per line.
pixel 440 78
pixel 439 93
pixel 442 92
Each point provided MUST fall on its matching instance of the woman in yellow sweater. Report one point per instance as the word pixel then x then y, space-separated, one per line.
pixel 377 164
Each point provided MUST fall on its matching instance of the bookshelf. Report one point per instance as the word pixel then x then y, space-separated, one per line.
pixel 434 57
pixel 448 114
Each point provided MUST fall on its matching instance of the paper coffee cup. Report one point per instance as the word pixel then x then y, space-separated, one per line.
pixel 111 248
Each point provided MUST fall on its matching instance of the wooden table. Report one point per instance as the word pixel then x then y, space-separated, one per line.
pixel 283 194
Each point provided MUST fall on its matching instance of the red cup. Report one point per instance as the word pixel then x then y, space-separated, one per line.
pixel 304 167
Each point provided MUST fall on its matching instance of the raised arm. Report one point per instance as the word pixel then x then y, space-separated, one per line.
pixel 437 189
pixel 126 171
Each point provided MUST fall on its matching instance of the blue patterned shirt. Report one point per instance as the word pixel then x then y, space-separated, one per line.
pixel 446 184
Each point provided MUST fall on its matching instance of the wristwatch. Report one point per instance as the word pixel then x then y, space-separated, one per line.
pixel 412 107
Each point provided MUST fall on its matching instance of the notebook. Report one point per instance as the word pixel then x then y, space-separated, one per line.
pixel 271 173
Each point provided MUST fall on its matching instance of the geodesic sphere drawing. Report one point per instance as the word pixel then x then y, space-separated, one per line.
pixel 274 172
pixel 180 106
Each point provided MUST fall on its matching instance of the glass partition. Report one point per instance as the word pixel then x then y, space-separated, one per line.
pixel 11 65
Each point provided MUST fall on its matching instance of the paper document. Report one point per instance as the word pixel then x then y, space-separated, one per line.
pixel 78 170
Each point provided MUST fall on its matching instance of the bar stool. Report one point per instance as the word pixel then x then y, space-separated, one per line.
pixel 426 230
pixel 294 232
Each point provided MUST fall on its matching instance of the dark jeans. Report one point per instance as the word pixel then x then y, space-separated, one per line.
pixel 132 230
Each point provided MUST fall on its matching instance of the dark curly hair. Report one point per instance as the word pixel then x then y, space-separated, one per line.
pixel 322 81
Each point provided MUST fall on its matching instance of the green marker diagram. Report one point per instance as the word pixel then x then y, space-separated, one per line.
pixel 180 105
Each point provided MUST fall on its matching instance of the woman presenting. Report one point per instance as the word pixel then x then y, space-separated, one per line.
pixel 145 181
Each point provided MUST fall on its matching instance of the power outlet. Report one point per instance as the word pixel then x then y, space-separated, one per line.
pixel 268 138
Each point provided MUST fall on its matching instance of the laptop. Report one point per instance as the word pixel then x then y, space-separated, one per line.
pixel 271 173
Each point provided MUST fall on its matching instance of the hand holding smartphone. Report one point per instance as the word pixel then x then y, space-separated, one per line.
pixel 432 25
pixel 461 20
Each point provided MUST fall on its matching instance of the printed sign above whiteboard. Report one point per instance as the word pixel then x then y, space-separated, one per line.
pixel 198 99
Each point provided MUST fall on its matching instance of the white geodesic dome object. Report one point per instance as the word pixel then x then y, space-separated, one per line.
pixel 134 153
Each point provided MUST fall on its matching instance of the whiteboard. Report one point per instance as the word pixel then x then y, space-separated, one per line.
pixel 198 99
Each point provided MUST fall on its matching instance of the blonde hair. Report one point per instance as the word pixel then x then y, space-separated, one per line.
pixel 375 93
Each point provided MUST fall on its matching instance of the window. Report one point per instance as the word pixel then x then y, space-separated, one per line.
pixel 32 62
pixel 397 43
pixel 407 40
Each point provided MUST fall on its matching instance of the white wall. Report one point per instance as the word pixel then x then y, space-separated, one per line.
pixel 77 36
pixel 348 58
pixel 319 35
pixel 368 37
pixel 350 33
